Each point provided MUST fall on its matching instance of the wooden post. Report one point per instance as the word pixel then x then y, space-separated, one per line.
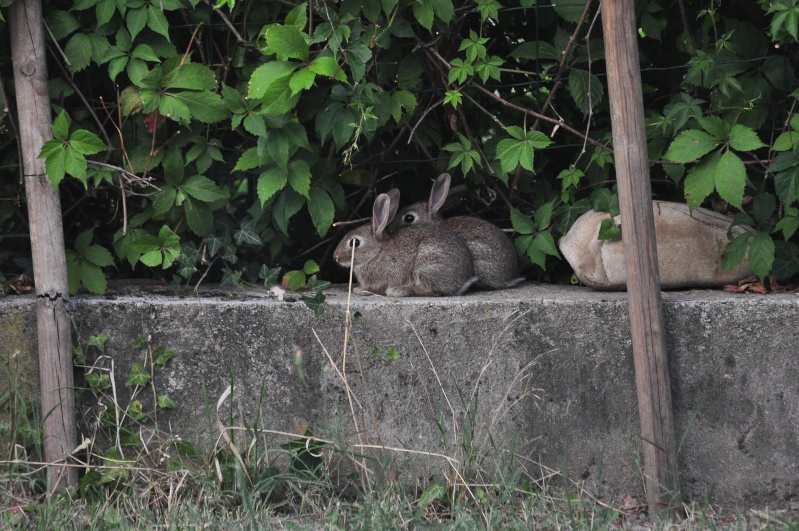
pixel 47 243
pixel 640 257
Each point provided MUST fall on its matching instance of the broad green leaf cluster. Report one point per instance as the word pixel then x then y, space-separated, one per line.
pixel 219 142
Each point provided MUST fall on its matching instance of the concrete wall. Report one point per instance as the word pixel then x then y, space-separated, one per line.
pixel 546 370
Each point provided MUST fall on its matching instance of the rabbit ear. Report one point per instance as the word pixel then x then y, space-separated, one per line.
pixel 383 211
pixel 438 194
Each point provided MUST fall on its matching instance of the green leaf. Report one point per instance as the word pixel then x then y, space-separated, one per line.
pixel 423 11
pixel 763 207
pixel 690 145
pixel 321 209
pixel 269 275
pixel 786 184
pixel 316 304
pixel 287 42
pixel 86 143
pixel 735 251
pixel 54 162
pixel 743 138
pixel 285 206
pixel 730 179
pixel 327 66
pixel 138 376
pixel 162 356
pixel 104 11
pixel 761 255
pixel 435 492
pixel 198 216
pixel 585 89
pixel 79 52
pixel 61 23
pixel 156 21
pixel 544 242
pixel 203 188
pixel 701 180
pixel 266 75
pixel 206 107
pixel 718 128
pixel 248 160
pixel 301 80
pixel 97 255
pixel 786 260
pixel 293 280
pixel 512 153
pixel 165 402
pixel 786 141
pixel 521 223
pixel 247 234
pixel 92 278
pixel 543 216
pixel 137 19
pixel 608 230
pixel 300 177
pixel 270 182
pixel 190 76
pixel 61 126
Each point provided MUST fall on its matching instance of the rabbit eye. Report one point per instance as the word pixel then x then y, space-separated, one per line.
pixel 355 242
pixel 409 218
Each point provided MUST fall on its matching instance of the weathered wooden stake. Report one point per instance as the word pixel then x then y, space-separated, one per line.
pixel 640 257
pixel 47 242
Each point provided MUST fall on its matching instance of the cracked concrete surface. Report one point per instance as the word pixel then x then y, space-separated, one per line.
pixel 546 370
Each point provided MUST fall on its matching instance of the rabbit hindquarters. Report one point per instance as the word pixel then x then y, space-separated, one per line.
pixel 442 264
pixel 493 254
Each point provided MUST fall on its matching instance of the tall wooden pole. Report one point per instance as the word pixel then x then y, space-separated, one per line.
pixel 47 242
pixel 640 256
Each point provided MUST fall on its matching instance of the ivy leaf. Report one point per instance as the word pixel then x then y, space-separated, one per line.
pixel 269 275
pixel 165 402
pixel 608 230
pixel 690 145
pixel 138 376
pixel 247 235
pixel 316 304
pixel 162 356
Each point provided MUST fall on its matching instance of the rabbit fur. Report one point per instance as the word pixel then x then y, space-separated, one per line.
pixel 418 260
pixel 494 257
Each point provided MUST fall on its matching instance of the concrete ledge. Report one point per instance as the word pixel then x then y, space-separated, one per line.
pixel 547 368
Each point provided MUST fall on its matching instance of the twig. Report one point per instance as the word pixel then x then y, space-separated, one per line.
pixel 562 67
pixel 421 119
pixel 231 27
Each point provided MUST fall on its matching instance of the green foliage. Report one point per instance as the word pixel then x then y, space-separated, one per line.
pixel 221 145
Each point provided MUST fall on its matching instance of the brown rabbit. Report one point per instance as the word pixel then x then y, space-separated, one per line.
pixel 493 254
pixel 419 260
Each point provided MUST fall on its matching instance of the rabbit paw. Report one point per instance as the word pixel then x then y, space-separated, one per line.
pixel 397 292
